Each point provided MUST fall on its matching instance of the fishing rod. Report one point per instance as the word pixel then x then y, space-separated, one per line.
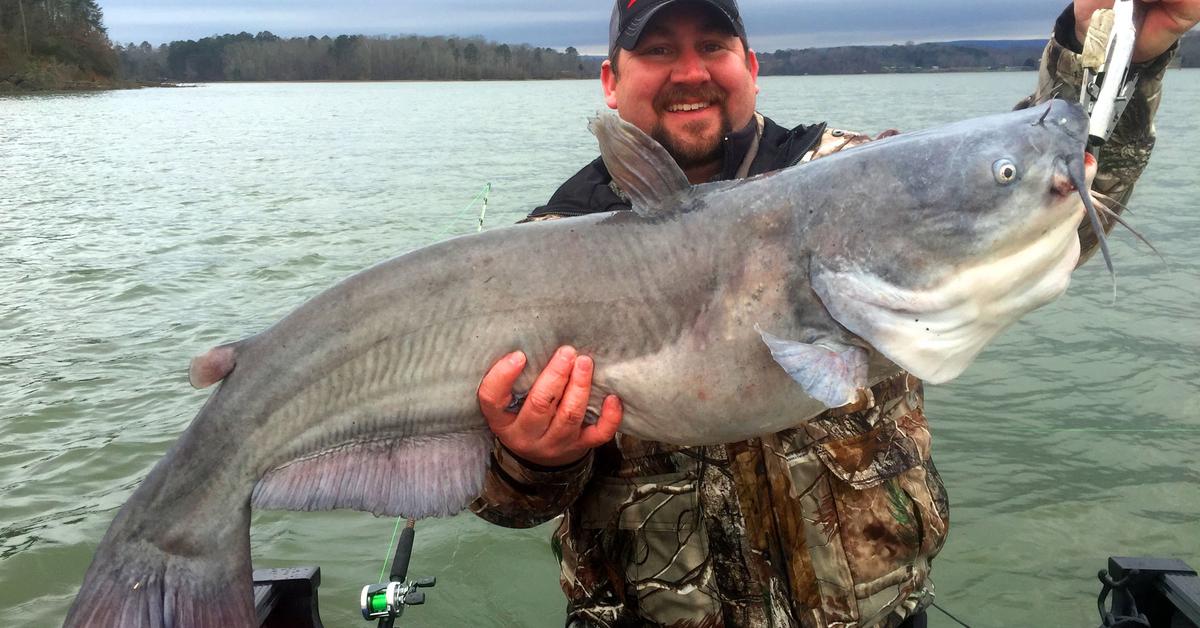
pixel 386 601
pixel 1108 82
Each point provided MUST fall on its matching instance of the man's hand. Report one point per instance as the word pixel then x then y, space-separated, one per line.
pixel 1165 21
pixel 549 430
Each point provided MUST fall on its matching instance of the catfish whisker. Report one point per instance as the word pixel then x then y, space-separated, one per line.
pixel 1110 201
pixel 1105 210
pixel 1107 203
pixel 1042 120
pixel 1075 170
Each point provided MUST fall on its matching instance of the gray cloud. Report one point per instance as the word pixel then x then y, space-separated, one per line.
pixel 772 24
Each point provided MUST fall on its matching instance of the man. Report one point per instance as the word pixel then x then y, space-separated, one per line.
pixel 834 522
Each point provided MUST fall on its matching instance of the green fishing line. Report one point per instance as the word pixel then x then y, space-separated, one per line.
pixel 483 194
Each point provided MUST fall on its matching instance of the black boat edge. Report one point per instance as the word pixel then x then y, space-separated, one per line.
pixel 1148 592
pixel 1136 591
pixel 287 597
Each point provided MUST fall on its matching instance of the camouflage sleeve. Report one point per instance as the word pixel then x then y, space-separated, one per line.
pixel 1123 158
pixel 519 494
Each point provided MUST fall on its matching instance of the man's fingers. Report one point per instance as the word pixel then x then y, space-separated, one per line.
pixel 545 395
pixel 605 428
pixel 549 429
pixel 1164 24
pixel 569 417
pixel 1083 15
pixel 495 390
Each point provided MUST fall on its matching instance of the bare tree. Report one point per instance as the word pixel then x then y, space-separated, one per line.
pixel 24 26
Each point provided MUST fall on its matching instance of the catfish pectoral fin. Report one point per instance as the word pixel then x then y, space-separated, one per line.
pixel 830 372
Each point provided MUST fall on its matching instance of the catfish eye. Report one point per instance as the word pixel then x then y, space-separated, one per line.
pixel 1005 171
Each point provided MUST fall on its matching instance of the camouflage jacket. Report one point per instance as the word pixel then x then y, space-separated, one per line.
pixel 832 523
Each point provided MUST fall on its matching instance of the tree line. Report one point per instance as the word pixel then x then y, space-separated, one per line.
pixel 63 38
pixel 901 58
pixel 266 57
pixel 930 57
pixel 63 43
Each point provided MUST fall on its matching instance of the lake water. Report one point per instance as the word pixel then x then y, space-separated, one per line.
pixel 138 228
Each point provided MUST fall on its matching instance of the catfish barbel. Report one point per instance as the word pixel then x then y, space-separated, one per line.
pixel 756 304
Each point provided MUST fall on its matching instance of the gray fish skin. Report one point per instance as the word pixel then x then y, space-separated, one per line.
pixel 364 397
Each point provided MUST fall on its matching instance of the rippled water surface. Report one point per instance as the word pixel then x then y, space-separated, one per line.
pixel 139 228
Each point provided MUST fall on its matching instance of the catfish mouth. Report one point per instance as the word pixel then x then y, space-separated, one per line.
pixel 1075 174
pixel 1071 178
pixel 1067 181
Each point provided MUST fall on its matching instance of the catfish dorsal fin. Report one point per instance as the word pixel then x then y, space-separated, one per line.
pixel 640 165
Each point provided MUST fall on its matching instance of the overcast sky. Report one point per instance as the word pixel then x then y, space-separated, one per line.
pixel 771 24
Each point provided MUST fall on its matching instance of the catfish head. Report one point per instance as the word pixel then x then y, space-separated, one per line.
pixel 951 235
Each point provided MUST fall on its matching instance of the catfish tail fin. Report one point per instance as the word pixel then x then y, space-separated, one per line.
pixel 188 579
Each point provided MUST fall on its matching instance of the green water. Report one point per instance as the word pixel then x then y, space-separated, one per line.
pixel 139 228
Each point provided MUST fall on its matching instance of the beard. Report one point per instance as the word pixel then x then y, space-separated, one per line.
pixel 690 147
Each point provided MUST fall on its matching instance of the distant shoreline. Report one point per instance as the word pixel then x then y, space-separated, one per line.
pixel 21 85
pixel 8 87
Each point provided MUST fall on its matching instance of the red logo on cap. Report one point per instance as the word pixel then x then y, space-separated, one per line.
pixel 631 3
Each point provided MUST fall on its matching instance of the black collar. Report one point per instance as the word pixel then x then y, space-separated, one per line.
pixel 737 145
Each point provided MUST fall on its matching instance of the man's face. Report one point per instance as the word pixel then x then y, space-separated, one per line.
pixel 688 83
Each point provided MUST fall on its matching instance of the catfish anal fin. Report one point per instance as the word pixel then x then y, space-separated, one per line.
pixel 421 476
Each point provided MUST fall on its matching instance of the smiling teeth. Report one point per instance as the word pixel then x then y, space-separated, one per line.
pixel 692 107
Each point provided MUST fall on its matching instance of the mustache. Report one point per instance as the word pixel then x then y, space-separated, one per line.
pixel 706 92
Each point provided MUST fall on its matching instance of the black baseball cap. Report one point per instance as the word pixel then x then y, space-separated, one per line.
pixel 630 17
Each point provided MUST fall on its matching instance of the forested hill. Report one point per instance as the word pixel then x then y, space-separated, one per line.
pixel 62 44
pixel 931 57
pixel 266 57
pixel 54 44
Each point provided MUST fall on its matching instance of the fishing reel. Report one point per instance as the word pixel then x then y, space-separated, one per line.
pixel 386 601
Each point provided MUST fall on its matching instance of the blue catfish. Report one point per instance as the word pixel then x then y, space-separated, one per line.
pixel 754 304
